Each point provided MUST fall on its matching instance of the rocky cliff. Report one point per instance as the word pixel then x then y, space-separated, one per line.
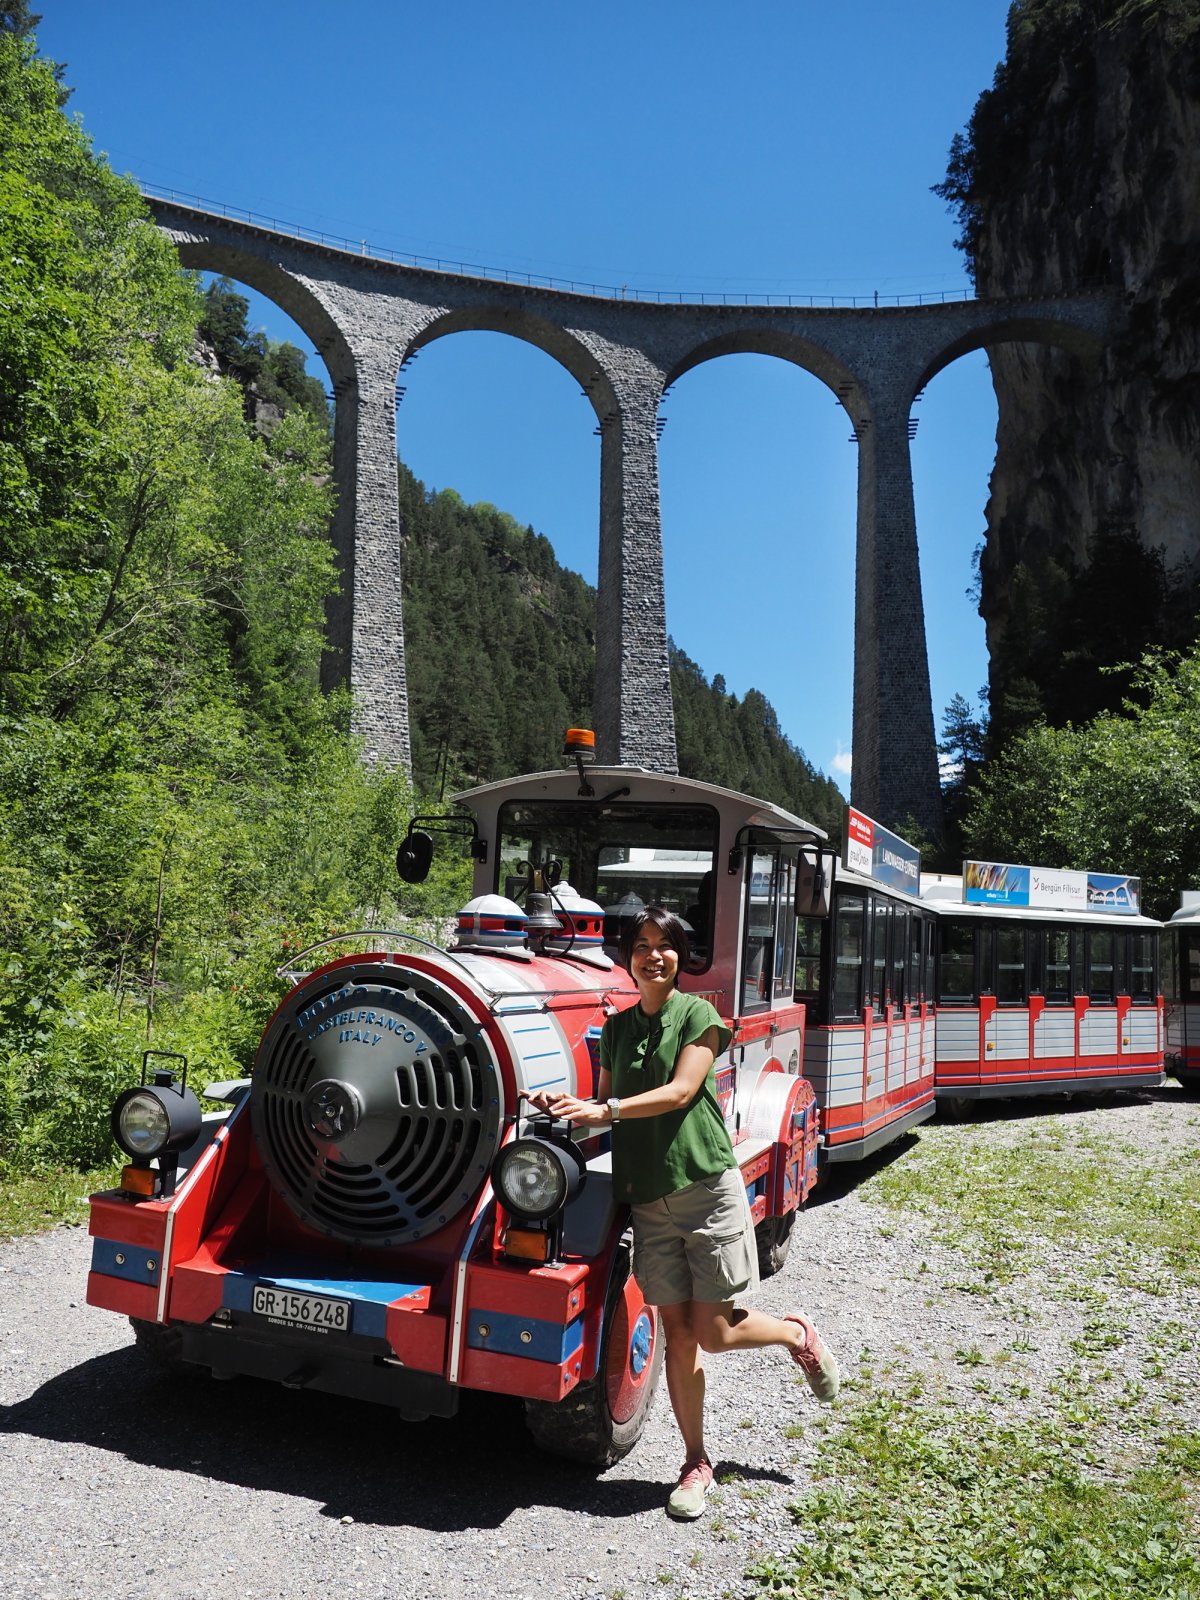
pixel 1081 166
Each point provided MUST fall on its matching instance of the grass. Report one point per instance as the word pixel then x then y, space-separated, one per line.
pixel 33 1202
pixel 1140 1210
pixel 996 1477
pixel 918 1499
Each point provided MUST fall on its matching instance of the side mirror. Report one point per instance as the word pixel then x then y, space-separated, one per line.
pixel 814 881
pixel 415 856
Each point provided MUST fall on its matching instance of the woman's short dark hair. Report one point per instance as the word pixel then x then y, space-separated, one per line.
pixel 668 924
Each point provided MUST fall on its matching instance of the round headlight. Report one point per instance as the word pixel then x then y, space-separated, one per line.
pixel 534 1179
pixel 156 1120
pixel 143 1126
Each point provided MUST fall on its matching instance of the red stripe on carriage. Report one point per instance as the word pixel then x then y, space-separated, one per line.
pixel 840 1129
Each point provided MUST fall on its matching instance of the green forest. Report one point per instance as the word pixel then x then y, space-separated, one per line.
pixel 180 804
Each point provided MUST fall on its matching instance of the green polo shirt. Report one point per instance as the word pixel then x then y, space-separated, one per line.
pixel 654 1156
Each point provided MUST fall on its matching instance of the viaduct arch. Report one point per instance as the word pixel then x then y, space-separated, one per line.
pixel 366 316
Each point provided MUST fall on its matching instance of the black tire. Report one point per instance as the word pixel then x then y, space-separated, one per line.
pixel 957 1108
pixel 583 1427
pixel 162 1345
pixel 773 1236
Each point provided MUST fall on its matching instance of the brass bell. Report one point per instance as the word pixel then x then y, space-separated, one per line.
pixel 542 917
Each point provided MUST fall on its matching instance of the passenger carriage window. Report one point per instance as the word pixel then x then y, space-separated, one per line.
pixel 928 958
pixel 1102 974
pixel 898 990
pixel 1077 944
pixel 880 923
pixel 810 940
pixel 956 964
pixel 985 947
pixel 916 964
pixel 1143 989
pixel 785 929
pixel 758 962
pixel 1010 966
pixel 1170 970
pixel 848 930
pixel 1056 965
pixel 1190 966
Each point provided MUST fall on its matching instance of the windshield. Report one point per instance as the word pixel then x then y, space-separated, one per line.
pixel 623 856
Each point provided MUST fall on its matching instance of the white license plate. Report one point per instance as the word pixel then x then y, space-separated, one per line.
pixel 316 1312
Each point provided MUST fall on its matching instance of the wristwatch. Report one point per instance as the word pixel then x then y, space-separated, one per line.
pixel 614 1111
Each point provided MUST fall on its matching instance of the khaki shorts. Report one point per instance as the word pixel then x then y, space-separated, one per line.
pixel 696 1244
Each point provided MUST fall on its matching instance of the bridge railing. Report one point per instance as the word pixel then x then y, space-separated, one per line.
pixel 538 280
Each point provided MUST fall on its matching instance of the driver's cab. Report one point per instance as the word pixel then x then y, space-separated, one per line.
pixel 727 864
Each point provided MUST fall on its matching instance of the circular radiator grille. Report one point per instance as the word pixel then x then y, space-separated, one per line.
pixel 376 1106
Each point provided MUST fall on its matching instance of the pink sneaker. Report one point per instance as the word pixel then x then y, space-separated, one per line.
pixel 687 1497
pixel 815 1361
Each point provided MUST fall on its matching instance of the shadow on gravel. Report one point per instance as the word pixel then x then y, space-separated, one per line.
pixel 840 1178
pixel 1181 1094
pixel 1032 1107
pixel 744 1473
pixel 360 1461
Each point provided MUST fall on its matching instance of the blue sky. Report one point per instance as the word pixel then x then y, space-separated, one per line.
pixel 697 146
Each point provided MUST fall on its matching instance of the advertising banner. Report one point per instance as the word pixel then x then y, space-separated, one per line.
pixel 1000 883
pixel 869 848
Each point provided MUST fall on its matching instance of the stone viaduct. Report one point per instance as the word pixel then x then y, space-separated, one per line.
pixel 366 316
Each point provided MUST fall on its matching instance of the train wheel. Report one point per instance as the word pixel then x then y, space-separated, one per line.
pixel 957 1108
pixel 773 1236
pixel 162 1346
pixel 602 1419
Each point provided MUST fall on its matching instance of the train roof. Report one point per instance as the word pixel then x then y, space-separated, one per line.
pixel 563 784
pixel 1188 912
pixel 860 880
pixel 943 892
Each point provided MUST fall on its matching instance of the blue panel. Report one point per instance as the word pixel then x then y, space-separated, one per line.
pixel 139 1264
pixel 370 1296
pixel 547 1341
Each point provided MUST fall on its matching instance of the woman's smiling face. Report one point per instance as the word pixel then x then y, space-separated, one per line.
pixel 654 963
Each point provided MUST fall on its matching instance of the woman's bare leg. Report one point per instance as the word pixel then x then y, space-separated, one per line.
pixel 720 1325
pixel 685 1377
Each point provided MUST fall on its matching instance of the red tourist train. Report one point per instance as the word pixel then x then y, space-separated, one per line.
pixel 376 1212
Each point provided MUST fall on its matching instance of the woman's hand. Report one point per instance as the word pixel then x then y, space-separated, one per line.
pixel 584 1112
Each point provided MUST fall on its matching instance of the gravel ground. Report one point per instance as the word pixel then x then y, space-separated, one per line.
pixel 116 1483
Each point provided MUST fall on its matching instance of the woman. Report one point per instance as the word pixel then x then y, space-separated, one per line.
pixel 673 1162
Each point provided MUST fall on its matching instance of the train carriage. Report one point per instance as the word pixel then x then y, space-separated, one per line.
pixel 865 975
pixel 1043 999
pixel 1181 992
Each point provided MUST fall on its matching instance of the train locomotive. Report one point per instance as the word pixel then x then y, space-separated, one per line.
pixel 377 1212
